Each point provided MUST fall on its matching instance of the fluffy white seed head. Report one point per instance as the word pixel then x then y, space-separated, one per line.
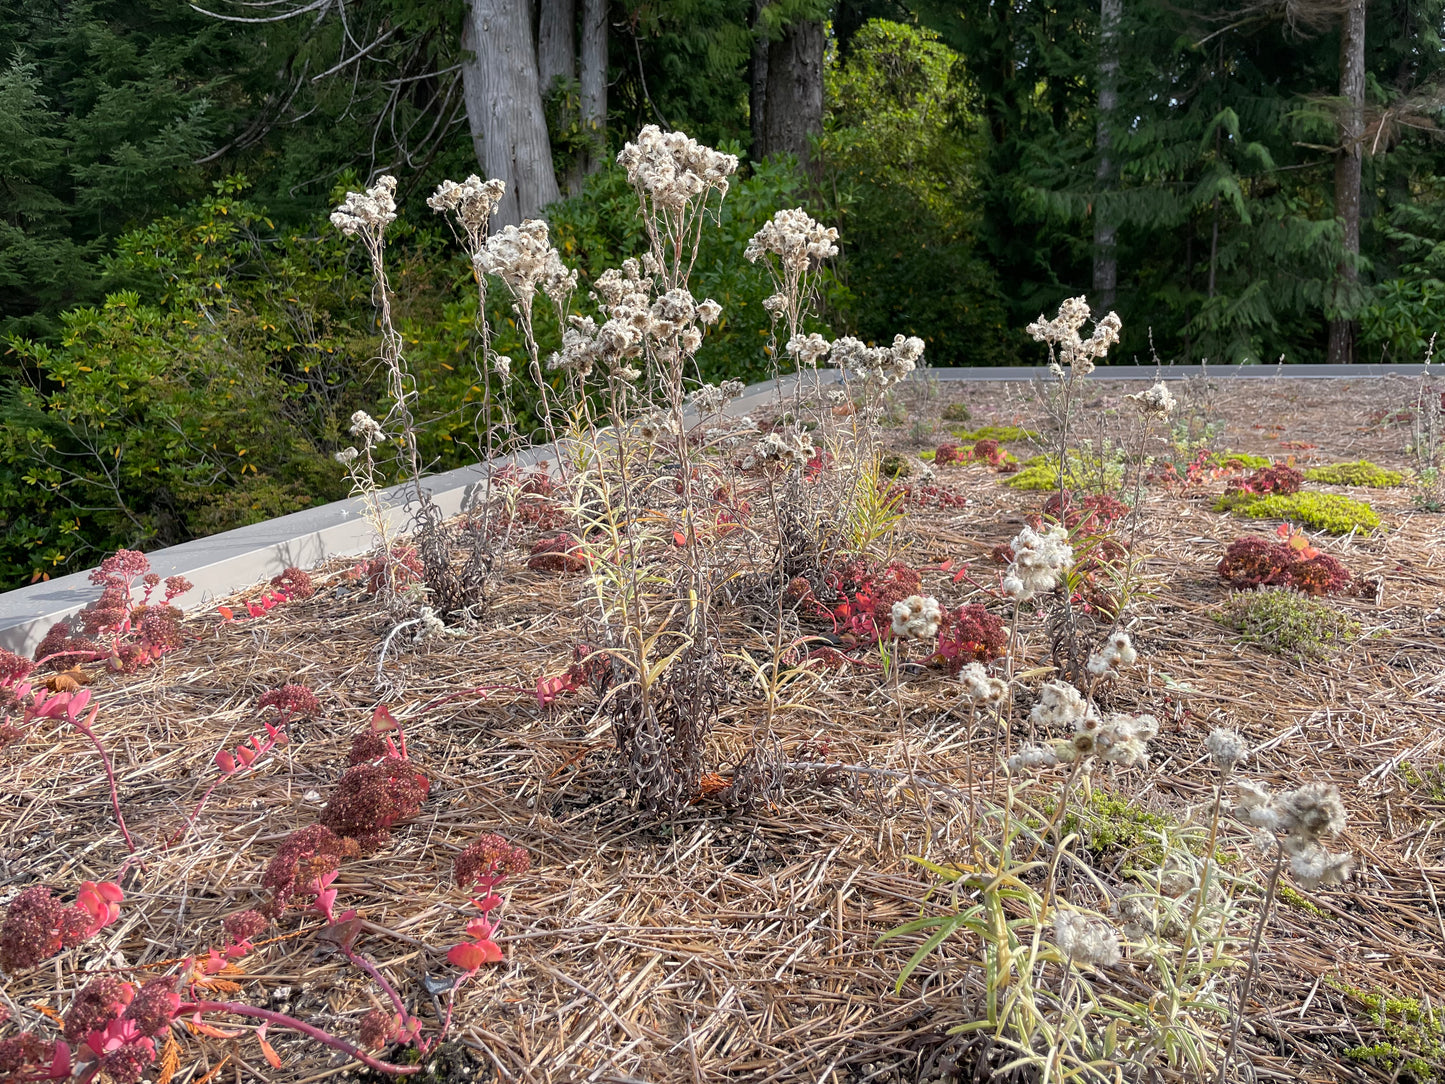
pixel 1113 655
pixel 1226 748
pixel 917 617
pixel 368 212
pixel 1040 562
pixel 1154 403
pixel 1086 942
pixel 795 239
pixel 979 687
pixel 1062 334
pixel 672 170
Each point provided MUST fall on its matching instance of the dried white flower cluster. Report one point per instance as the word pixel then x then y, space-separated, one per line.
pixel 1030 757
pixel 670 321
pixel 1060 705
pixel 1086 942
pixel 368 212
pixel 979 686
pixel 474 201
pixel 787 448
pixel 795 238
pixel 1062 333
pixel 881 366
pixel 807 349
pixel 673 169
pixel 366 427
pixel 1300 818
pixel 711 398
pixel 1226 748
pixel 1117 652
pixel 1123 740
pixel 523 258
pixel 917 617
pixel 1154 403
pixel 1040 561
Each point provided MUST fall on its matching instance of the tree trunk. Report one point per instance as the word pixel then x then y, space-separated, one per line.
pixel 794 107
pixel 1347 173
pixel 1106 264
pixel 504 107
pixel 594 81
pixel 556 52
pixel 758 83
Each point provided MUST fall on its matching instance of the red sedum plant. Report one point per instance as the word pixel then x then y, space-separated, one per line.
pixel 1289 561
pixel 968 634
pixel 114 628
pixel 37 926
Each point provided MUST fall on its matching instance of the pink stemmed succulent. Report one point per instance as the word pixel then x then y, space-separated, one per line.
pixel 482 868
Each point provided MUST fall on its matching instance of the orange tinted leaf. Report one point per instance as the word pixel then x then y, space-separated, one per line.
pixel 270 1052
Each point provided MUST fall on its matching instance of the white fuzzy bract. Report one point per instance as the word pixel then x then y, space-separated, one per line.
pixel 523 258
pixel 1122 740
pixel 473 201
pixel 786 448
pixel 366 427
pixel 917 617
pixel 1031 757
pixel 1040 561
pixel 368 212
pixel 1154 403
pixel 1059 705
pixel 672 169
pixel 1115 653
pixel 1086 942
pixel 1226 748
pixel 979 687
pixel 807 349
pixel 1062 334
pixel 795 238
pixel 880 366
pixel 1299 818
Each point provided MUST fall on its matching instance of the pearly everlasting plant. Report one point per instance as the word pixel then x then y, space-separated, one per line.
pixel 1062 335
pixel 1039 564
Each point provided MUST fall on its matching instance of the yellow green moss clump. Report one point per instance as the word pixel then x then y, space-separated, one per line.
pixel 1359 473
pixel 1322 511
pixel 1239 460
pixel 1085 472
pixel 1004 434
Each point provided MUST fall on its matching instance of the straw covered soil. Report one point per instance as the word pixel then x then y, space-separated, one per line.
pixel 741 945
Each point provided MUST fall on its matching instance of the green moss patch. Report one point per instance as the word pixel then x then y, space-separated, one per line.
pixel 1322 511
pixel 1288 623
pixel 1361 472
pixel 1041 472
pixel 1239 460
pixel 1413 1043
pixel 1004 434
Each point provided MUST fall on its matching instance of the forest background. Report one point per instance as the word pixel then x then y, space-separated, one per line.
pixel 185 337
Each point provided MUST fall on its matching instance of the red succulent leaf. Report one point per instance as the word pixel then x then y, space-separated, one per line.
pixel 467 956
